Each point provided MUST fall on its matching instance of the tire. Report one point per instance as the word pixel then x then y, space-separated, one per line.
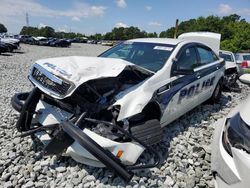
pixel 18 100
pixel 149 132
pixel 10 49
pixel 215 98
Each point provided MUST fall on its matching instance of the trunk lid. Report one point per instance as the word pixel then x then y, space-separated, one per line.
pixel 208 38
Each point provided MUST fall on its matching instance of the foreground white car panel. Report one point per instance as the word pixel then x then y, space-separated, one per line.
pixel 230 171
pixel 245 78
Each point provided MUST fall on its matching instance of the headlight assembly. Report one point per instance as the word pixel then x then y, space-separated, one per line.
pixel 236 134
pixel 49 81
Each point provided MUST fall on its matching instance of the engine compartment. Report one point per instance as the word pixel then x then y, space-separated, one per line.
pixel 95 97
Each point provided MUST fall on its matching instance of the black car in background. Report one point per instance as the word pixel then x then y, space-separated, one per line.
pixel 8 47
pixel 58 43
pixel 3 47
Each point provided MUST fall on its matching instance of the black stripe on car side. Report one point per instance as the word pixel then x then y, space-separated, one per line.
pixel 164 98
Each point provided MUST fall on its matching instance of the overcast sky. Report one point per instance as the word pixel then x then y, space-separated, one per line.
pixel 100 16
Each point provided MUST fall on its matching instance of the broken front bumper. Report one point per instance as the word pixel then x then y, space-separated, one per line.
pixel 82 145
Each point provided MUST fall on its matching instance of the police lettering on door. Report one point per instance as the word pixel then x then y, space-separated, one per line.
pixel 195 89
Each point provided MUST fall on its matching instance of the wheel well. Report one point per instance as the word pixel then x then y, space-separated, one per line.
pixel 152 111
pixel 221 80
pixel 230 71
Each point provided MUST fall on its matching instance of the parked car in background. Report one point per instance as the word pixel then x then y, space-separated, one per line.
pixel 231 68
pixel 59 43
pixel 24 38
pixel 78 40
pixel 108 43
pixel 11 43
pixel 3 47
pixel 42 41
pixel 230 162
pixel 10 47
pixel 31 40
pixel 243 62
pixel 230 61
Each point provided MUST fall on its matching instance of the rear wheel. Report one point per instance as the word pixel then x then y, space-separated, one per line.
pixel 10 49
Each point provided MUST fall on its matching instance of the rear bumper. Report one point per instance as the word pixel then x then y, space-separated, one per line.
pixel 243 70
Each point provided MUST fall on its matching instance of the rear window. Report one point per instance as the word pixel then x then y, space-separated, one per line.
pixel 206 56
pixel 246 57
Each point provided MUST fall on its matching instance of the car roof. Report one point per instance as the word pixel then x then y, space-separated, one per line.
pixel 158 40
pixel 224 51
pixel 243 53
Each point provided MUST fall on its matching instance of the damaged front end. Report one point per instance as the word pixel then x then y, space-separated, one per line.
pixel 79 119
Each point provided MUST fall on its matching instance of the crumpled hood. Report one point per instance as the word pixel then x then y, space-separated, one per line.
pixel 77 69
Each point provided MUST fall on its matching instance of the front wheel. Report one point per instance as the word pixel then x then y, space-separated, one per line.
pixel 215 98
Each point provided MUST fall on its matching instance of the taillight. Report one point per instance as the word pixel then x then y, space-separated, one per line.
pixel 244 64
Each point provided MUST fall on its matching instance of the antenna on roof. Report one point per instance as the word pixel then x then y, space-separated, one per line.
pixel 27 20
pixel 176 28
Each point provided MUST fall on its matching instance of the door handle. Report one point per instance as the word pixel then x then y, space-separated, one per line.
pixel 198 75
pixel 163 89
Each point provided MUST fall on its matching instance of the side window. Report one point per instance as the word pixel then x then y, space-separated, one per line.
pixel 206 56
pixel 188 59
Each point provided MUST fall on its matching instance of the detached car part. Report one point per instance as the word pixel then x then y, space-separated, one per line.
pixel 232 71
pixel 106 111
pixel 66 133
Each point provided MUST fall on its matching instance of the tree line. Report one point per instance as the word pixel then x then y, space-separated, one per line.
pixel 3 29
pixel 116 34
pixel 235 32
pixel 48 32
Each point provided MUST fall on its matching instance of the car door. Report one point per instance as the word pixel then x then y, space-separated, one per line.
pixel 182 96
pixel 208 72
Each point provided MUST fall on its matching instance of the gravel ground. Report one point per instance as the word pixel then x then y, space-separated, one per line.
pixel 185 149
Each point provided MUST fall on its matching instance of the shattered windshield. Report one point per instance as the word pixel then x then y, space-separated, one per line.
pixel 151 56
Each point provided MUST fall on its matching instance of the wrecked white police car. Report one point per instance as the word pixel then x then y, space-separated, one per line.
pixel 106 110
